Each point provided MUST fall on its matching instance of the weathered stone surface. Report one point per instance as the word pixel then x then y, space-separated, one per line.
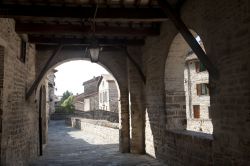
pixel 68 146
pixel 19 117
pixel 228 108
pixel 224 29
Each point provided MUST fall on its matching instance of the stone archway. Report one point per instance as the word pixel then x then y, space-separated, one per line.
pixel 186 88
pixel 174 88
pixel 112 61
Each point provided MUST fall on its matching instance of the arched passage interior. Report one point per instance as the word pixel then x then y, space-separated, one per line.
pixel 69 56
pixel 186 89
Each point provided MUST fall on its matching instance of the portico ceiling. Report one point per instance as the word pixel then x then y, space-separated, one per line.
pixel 71 21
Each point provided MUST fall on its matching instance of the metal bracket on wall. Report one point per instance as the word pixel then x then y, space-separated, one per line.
pixel 187 35
pixel 136 65
pixel 43 72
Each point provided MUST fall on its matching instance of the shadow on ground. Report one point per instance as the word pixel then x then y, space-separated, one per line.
pixel 71 147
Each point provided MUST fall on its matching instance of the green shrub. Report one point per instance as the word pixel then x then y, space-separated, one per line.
pixel 68 104
pixel 65 96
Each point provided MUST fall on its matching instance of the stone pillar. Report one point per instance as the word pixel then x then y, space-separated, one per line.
pixel 1 97
pixel 137 106
pixel 124 142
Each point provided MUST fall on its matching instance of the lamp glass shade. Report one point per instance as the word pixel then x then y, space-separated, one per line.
pixel 94 54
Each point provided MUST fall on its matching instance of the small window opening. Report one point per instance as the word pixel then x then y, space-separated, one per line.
pixel 101 97
pixel 199 67
pixel 196 111
pixel 23 51
pixel 202 89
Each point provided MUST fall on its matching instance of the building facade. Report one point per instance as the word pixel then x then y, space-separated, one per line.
pixel 100 93
pixel 51 91
pixel 196 81
pixel 108 94
pixel 88 100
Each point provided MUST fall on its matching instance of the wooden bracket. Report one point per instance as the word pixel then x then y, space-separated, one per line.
pixel 187 35
pixel 136 65
pixel 43 72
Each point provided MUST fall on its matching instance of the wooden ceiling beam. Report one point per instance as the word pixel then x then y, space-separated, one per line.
pixel 34 28
pixel 130 14
pixel 43 72
pixel 84 41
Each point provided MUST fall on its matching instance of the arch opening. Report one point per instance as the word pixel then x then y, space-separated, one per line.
pixel 186 89
pixel 101 81
pixel 98 103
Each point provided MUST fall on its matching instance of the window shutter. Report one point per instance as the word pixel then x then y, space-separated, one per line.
pixel 203 89
pixel 198 89
pixel 207 89
pixel 202 67
pixel 196 110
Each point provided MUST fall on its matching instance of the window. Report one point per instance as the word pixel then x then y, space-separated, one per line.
pixel 199 67
pixel 202 89
pixel 196 111
pixel 50 85
pixel 209 115
pixel 23 51
pixel 100 97
pixel 105 97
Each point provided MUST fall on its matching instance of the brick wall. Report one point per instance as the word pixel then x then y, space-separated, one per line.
pixel 154 58
pixel 223 27
pixel 19 120
pixel 1 92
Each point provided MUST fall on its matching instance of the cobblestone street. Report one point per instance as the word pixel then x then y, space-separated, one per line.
pixel 70 147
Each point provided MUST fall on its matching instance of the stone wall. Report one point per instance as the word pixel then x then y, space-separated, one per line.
pixel 94 105
pixel 113 96
pixel 103 93
pixel 91 86
pixel 1 91
pixel 99 115
pixel 97 128
pixel 223 27
pixel 51 91
pixel 79 105
pixel 19 117
pixel 136 102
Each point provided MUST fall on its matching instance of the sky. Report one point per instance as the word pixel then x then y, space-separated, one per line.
pixel 71 75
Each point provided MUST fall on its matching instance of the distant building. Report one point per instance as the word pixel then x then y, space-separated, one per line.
pixel 196 80
pixel 100 93
pixel 51 91
pixel 88 100
pixel 108 94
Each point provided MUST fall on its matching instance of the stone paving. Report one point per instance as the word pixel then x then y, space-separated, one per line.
pixel 71 147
